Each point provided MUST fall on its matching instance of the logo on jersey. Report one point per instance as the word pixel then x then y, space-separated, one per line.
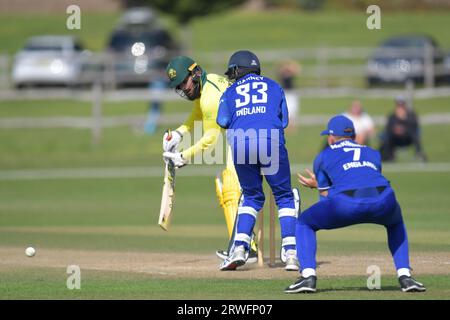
pixel 207 115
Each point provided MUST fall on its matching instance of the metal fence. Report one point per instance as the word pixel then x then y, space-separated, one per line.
pixel 326 67
pixel 96 122
pixel 321 67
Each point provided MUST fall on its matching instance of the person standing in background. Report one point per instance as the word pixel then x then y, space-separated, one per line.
pixel 364 126
pixel 287 71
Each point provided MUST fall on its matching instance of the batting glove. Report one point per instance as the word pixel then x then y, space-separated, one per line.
pixel 176 157
pixel 171 140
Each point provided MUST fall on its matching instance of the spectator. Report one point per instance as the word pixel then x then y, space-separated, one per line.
pixel 156 88
pixel 364 126
pixel 287 71
pixel 402 129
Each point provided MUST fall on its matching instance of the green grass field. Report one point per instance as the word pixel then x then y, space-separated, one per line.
pixel 118 216
pixel 122 147
pixel 281 29
pixel 50 284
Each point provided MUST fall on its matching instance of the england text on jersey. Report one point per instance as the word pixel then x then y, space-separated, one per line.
pixel 359 164
pixel 252 110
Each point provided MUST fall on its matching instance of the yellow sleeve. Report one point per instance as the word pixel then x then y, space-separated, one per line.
pixel 211 133
pixel 209 104
pixel 196 115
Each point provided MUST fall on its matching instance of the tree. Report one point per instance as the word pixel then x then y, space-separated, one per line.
pixel 186 10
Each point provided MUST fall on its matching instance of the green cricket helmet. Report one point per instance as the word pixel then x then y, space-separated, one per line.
pixel 178 69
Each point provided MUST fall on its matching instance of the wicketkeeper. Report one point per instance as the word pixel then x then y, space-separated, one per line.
pixel 254 111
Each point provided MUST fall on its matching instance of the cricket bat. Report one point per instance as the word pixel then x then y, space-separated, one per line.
pixel 168 195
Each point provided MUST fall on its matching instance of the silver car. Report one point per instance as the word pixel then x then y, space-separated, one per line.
pixel 403 58
pixel 49 60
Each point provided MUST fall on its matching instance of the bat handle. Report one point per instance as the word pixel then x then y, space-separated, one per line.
pixel 169 135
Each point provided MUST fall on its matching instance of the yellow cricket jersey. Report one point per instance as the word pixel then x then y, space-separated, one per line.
pixel 205 110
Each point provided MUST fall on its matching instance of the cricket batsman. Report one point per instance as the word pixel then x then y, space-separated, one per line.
pixel 254 111
pixel 193 83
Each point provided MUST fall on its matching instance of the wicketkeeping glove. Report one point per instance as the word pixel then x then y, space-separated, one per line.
pixel 171 140
pixel 176 157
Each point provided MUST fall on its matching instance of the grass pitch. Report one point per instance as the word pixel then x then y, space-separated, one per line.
pixel 108 226
pixel 50 283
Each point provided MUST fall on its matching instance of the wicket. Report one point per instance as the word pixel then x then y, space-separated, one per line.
pixel 260 234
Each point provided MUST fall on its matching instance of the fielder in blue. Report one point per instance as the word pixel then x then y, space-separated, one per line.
pixel 254 111
pixel 353 191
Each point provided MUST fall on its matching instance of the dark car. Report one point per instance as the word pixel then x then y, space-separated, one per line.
pixel 139 52
pixel 404 58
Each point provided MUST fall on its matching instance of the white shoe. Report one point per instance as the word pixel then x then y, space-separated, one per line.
pixel 292 261
pixel 237 259
pixel 222 254
pixel 252 256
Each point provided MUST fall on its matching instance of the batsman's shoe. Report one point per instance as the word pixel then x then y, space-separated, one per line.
pixel 303 285
pixel 291 261
pixel 237 259
pixel 252 256
pixel 409 284
pixel 222 254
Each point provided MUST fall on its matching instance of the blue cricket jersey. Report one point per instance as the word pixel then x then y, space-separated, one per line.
pixel 347 165
pixel 254 102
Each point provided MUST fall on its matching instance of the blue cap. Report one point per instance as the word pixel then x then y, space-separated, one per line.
pixel 340 126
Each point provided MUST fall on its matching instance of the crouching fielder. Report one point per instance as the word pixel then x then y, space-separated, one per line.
pixel 254 111
pixel 353 191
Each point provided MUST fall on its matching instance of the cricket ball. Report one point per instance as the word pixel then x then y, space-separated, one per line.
pixel 30 251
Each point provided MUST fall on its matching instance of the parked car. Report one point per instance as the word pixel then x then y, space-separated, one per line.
pixel 402 58
pixel 50 60
pixel 447 66
pixel 139 50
